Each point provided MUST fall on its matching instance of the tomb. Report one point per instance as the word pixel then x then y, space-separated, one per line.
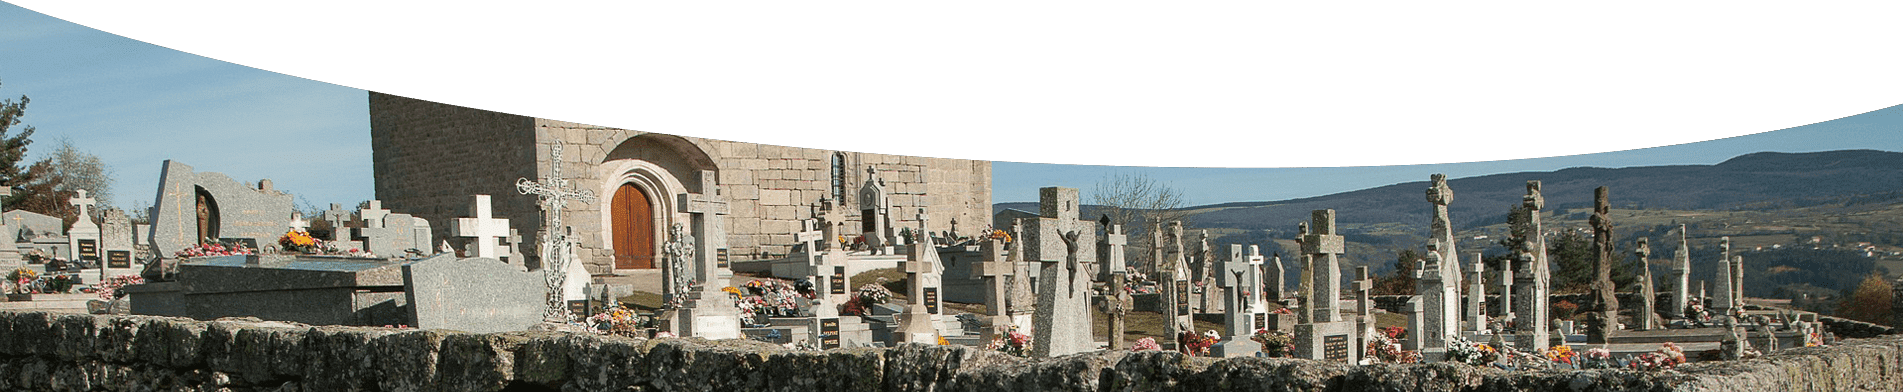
pixel 317 290
pixel 478 295
pixel 193 207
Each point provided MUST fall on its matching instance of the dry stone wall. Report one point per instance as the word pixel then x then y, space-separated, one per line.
pixel 71 352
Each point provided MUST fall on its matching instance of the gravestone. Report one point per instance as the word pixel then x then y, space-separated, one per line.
pixel 1236 280
pixel 479 295
pixel 996 270
pixel 339 220
pixel 9 251
pixel 1504 309
pixel 709 312
pixel 1364 306
pixel 1722 308
pixel 514 256
pixel 1681 277
pixel 875 214
pixel 919 323
pixel 1604 293
pixel 1441 231
pixel 83 236
pixel 115 244
pixel 483 228
pixel 1064 248
pixel 1737 270
pixel 1428 286
pixel 1416 322
pixel 386 234
pixel 825 325
pixel 1276 289
pixel 1020 300
pixel 1203 270
pixel 1325 337
pixel 193 206
pixel 1531 283
pixel 1116 302
pixel 316 290
pixel 1174 286
pixel 1476 315
pixel 1646 316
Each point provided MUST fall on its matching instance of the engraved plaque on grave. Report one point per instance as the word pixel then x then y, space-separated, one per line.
pixel 579 308
pixel 828 333
pixel 1335 348
pixel 931 300
pixel 119 259
pixel 89 250
pixel 720 257
pixel 839 280
pixel 1182 297
pixel 1261 322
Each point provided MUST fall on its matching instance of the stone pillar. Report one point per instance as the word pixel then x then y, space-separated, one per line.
pixel 1428 284
pixel 1116 302
pixel 1442 232
pixel 1531 284
pixel 1605 296
pixel 1325 248
pixel 1415 324
pixel 1476 295
pixel 1681 277
pixel 1171 275
pixel 1645 316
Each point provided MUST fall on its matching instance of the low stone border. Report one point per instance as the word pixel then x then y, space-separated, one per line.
pixel 72 352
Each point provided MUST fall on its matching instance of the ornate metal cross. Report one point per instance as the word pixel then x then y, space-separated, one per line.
pixel 557 246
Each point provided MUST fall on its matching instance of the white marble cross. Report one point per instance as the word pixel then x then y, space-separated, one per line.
pixel 485 228
pixel 84 203
pixel 298 224
pixel 372 214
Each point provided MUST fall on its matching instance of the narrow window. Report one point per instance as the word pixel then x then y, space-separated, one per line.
pixel 839 178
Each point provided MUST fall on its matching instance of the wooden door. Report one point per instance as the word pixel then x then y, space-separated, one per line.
pixel 633 228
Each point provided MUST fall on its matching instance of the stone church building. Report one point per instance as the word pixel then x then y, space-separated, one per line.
pixel 429 158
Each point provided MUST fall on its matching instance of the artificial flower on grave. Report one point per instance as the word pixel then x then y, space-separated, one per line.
pixel 1192 343
pixel 1275 344
pixel 58 283
pixel 1476 354
pixel 617 320
pixel 210 250
pixel 1596 358
pixel 1286 311
pixel 1667 356
pixel 1001 235
pixel 1146 344
pixel 1015 342
pixel 1385 347
pixel 1560 354
pixel 109 289
pixel 298 241
pixel 22 279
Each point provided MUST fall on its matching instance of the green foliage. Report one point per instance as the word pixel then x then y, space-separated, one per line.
pixel 1572 254
pixel 1402 282
pixel 13 147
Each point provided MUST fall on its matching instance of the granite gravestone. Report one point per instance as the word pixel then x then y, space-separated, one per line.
pixel 193 207
pixel 1531 283
pixel 1442 233
pixel 9 253
pixel 1435 323
pixel 1681 277
pixel 1172 274
pixel 317 290
pixel 1235 281
pixel 875 214
pixel 1476 312
pixel 479 295
pixel 1646 315
pixel 387 234
pixel 709 313
pixel 918 324
pixel 1605 297
pixel 1064 247
pixel 115 243
pixel 1325 336
pixel 996 270
pixel 1116 302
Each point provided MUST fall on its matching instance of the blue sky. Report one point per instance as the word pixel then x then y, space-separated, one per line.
pixel 135 104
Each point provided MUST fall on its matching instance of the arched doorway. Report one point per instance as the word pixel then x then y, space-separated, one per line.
pixel 633 220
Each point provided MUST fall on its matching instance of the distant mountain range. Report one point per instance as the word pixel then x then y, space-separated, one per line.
pixel 1762 180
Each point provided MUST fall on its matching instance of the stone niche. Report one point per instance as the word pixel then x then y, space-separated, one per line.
pixel 192 205
pixel 318 290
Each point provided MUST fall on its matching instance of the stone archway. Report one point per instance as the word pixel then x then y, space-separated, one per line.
pixel 631 218
pixel 650 170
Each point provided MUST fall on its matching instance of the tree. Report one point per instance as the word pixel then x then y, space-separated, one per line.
pixel 58 178
pixel 1572 255
pixel 1135 201
pixel 1403 281
pixel 13 148
pixel 1869 302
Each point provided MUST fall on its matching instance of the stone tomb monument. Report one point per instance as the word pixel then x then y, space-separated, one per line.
pixel 115 244
pixel 919 323
pixel 193 206
pixel 1239 279
pixel 317 290
pixel 82 237
pixel 386 234
pixel 484 230
pixel 875 214
pixel 1326 336
pixel 1065 248
pixel 1530 285
pixel 479 295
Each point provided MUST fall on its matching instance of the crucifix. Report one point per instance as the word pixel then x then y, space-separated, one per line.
pixel 84 203
pixel 558 247
pixel 1115 303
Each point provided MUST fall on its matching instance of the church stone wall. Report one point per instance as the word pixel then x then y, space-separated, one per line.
pixel 429 157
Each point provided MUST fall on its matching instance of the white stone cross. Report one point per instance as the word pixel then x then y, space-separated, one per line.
pixel 298 224
pixel 84 203
pixel 372 214
pixel 485 228
pixel 337 215
pixel 811 235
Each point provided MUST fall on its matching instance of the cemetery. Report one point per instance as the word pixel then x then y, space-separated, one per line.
pixel 228 285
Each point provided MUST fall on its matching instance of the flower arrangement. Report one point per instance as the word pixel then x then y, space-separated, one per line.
pixel 1146 344
pixel 1286 311
pixel 1564 309
pixel 299 241
pixel 1561 354
pixel 1000 235
pixel 1275 344
pixel 58 283
pixel 211 249
pixel 1385 347
pixel 1476 354
pixel 1667 356
pixel 22 279
pixel 1596 358
pixel 617 320
pixel 109 289
pixel 1192 343
pixel 1015 342
pixel 863 299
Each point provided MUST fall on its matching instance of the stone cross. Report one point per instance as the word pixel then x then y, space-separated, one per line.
pixel 1531 283
pixel 819 267
pixel 1020 301
pixel 1681 277
pixel 1325 249
pixel 1173 275
pixel 486 229
pixel 372 214
pixel 994 268
pixel 1278 280
pixel 915 325
pixel 1442 229
pixel 554 192
pixel 1476 315
pixel 1364 308
pixel 1061 325
pixel 1116 302
pixel 298 224
pixel 337 216
pixel 515 249
pixel 1505 307
pixel 1234 279
pixel 1647 315
pixel 1429 288
pixel 1604 294
pixel 711 312
pixel 84 203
